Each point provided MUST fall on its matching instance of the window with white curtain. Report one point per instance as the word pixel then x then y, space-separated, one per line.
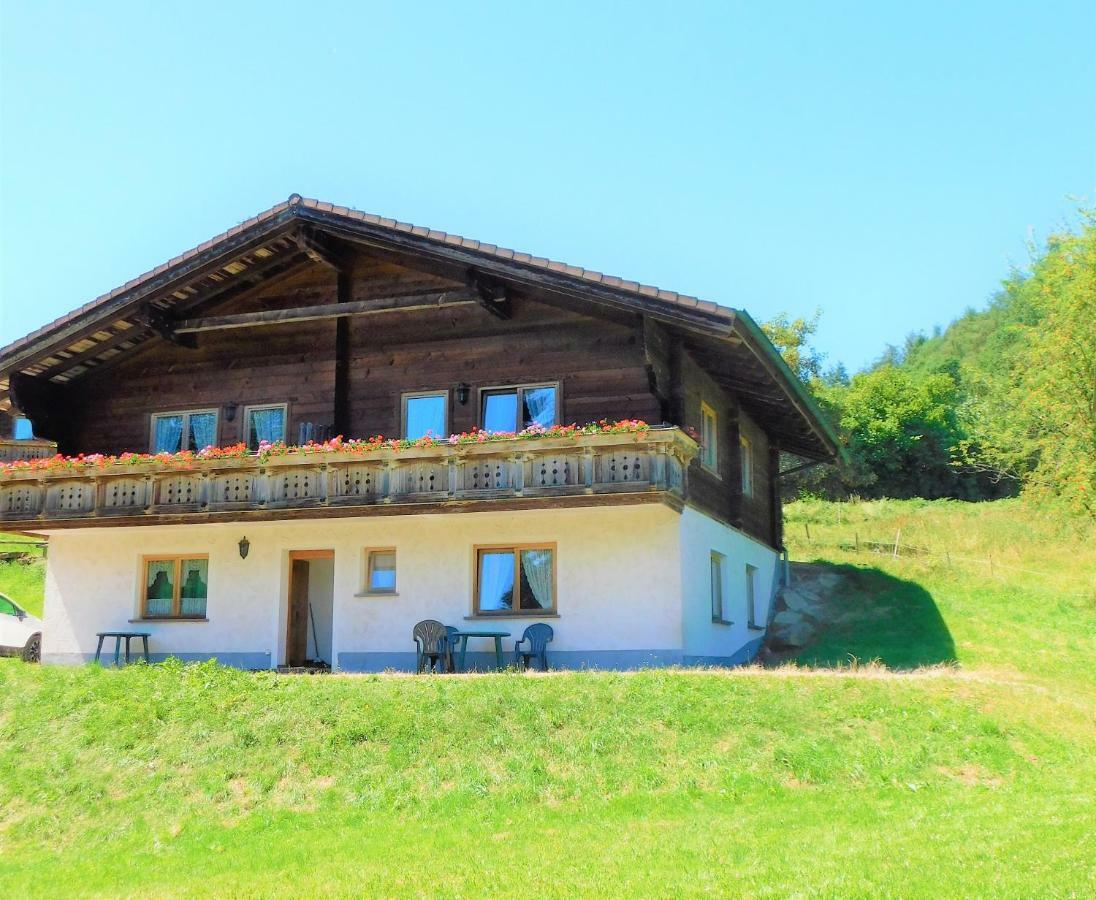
pixel 517 408
pixel 176 587
pixel 380 575
pixel 265 424
pixel 425 414
pixel 192 429
pixel 516 580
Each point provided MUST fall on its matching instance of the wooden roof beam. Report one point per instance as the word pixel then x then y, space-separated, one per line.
pixel 378 305
pixel 492 295
pixel 321 251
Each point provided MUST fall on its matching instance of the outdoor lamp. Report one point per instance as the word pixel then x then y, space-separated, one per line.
pixel 462 393
pixel 245 545
pixel 230 411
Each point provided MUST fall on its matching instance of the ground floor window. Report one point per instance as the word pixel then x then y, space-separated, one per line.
pixel 380 571
pixel 751 596
pixel 176 587
pixel 716 569
pixel 516 579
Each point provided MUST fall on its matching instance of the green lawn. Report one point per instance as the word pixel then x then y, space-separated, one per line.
pixel 973 778
pixel 23 581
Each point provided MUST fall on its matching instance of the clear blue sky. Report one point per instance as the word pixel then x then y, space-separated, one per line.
pixel 885 162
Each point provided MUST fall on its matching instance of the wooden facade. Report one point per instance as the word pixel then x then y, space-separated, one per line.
pixel 422 321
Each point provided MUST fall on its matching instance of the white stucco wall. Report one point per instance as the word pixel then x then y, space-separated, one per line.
pixel 704 639
pixel 619 585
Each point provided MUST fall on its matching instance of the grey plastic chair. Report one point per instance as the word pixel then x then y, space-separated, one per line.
pixel 536 638
pixel 433 647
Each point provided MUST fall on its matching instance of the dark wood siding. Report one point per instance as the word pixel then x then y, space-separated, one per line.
pixel 608 365
pixel 598 363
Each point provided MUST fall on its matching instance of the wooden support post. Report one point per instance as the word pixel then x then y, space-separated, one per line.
pixel 342 360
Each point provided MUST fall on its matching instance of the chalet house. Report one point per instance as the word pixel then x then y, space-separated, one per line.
pixel 640 544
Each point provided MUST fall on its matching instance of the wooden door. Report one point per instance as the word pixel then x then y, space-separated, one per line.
pixel 296 641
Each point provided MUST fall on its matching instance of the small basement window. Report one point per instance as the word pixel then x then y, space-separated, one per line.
pixel 175 587
pixel 265 424
pixel 518 408
pixel 709 438
pixel 192 429
pixel 515 580
pixel 426 414
pixel 380 571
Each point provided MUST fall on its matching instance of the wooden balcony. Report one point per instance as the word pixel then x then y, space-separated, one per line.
pixel 544 472
pixel 34 448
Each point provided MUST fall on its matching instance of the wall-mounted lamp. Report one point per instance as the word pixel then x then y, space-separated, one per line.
pixel 230 412
pixel 245 546
pixel 462 393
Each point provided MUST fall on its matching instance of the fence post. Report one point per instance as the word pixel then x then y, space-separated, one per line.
pixel 897 536
pixel 856 537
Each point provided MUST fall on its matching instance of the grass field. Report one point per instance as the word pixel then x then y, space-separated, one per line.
pixel 972 777
pixel 21 581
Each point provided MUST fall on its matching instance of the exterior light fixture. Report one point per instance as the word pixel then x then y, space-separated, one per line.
pixel 462 393
pixel 245 546
pixel 230 412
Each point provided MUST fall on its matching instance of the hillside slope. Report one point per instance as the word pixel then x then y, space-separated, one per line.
pixel 974 777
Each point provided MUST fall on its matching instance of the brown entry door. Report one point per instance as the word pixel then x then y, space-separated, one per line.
pixel 296 641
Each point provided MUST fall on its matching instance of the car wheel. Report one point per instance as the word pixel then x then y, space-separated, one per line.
pixel 32 652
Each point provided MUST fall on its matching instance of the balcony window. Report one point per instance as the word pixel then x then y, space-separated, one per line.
pixel 426 414
pixel 265 424
pixel 515 580
pixel 518 408
pixel 193 430
pixel 176 587
pixel 747 467
pixel 709 438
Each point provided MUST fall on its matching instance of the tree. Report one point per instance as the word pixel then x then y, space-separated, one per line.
pixel 1034 415
pixel 792 337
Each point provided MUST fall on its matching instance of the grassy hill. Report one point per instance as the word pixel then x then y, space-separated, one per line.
pixel 973 776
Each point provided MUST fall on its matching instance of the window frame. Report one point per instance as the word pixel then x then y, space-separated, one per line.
pixel 177 587
pixel 746 462
pixel 719 610
pixel 186 414
pixel 518 389
pixel 252 407
pixel 367 589
pixel 712 465
pixel 518 613
pixel 751 598
pixel 414 395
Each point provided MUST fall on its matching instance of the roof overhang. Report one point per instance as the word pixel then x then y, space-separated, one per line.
pixel 284 237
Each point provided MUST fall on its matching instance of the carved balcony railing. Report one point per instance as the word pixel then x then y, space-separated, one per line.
pixel 406 480
pixel 34 448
